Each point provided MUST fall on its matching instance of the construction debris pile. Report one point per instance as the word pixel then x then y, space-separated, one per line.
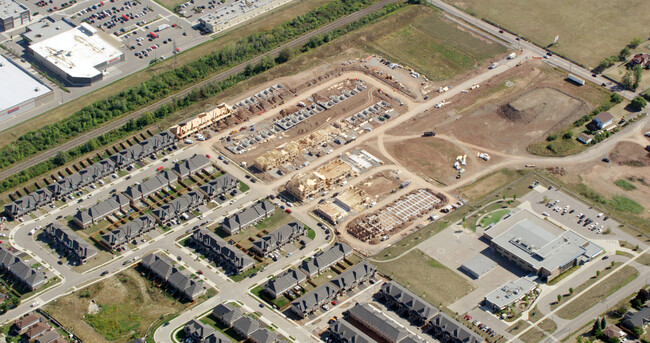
pixel 396 216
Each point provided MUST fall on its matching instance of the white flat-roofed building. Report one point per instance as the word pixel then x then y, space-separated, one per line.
pixel 79 55
pixel 13 15
pixel 21 91
pixel 237 13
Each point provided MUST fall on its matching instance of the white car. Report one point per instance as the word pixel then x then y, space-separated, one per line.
pixel 35 303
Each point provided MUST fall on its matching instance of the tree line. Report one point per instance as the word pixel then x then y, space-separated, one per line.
pixel 204 92
pixel 169 82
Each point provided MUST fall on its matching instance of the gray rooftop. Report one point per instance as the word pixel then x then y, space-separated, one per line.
pixel 510 292
pixel 247 217
pixel 68 239
pixel 539 243
pixel 346 332
pixel 326 258
pixel 278 238
pixel 378 322
pixel 358 273
pixel 412 302
pixel 478 265
pixel 191 165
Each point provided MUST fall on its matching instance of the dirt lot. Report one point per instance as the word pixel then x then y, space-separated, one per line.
pixel 629 162
pixel 117 309
pixel 380 184
pixel 430 157
pixel 537 101
pixel 588 31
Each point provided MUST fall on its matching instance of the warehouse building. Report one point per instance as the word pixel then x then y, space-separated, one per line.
pixel 21 90
pixel 12 15
pixel 80 55
pixel 237 13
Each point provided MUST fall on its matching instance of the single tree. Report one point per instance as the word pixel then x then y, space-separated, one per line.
pixel 603 323
pixel 638 103
pixel 628 80
pixel 597 273
pixel 570 290
pixel 596 326
pixel 559 298
pixel 635 42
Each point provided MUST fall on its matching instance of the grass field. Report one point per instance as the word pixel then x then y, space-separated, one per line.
pixel 494 217
pixel 601 291
pixel 436 47
pixel 128 304
pixel 588 30
pixel 427 278
pixel 626 185
pixel 518 327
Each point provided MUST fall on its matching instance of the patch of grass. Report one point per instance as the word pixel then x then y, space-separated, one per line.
pixel 311 234
pixel 623 253
pixel 244 275
pixel 624 204
pixel 243 187
pixel 626 185
pixel 436 47
pixel 563 275
pixel 533 335
pixel 128 303
pixel 280 302
pixel 518 327
pixel 494 217
pixel 601 291
pixel 427 278
pixel 557 148
pixel 644 259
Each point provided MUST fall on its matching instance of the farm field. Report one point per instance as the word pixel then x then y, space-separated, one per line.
pixel 588 31
pixel 117 309
pixel 427 278
pixel 436 47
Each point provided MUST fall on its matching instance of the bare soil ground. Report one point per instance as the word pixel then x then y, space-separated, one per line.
pixel 629 161
pixel 380 184
pixel 126 305
pixel 429 157
pixel 494 116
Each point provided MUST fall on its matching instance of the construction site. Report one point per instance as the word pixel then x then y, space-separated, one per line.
pixel 393 218
pixel 307 127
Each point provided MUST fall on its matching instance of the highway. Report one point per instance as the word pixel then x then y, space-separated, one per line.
pixel 83 138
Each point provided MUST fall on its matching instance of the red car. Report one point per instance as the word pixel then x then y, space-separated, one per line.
pixel 159 168
pixel 288 210
pixel 200 272
pixel 208 156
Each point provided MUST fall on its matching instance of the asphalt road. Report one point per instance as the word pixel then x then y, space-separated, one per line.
pixel 82 139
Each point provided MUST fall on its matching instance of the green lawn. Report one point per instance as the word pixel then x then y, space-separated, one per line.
pixel 435 47
pixel 311 234
pixel 494 217
pixel 427 278
pixel 280 302
pixel 601 291
pixel 243 187
pixel 626 185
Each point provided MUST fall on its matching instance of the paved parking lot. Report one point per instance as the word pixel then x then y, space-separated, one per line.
pixel 565 210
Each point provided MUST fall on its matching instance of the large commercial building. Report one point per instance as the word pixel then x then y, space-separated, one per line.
pixel 538 246
pixel 12 15
pixel 80 55
pixel 237 13
pixel 20 90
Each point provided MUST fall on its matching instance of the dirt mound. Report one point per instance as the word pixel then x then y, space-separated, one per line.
pixel 539 103
pixel 631 154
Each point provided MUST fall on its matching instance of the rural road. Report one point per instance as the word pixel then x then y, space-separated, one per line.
pixel 82 139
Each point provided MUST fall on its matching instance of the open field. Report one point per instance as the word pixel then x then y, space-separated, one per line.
pixel 380 184
pixel 493 182
pixel 436 47
pixel 429 157
pixel 533 99
pixel 518 327
pixel 588 31
pixel 427 278
pixel 117 309
pixel 585 301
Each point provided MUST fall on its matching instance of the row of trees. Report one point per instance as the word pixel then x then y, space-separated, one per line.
pixel 621 57
pixel 204 92
pixel 605 106
pixel 169 82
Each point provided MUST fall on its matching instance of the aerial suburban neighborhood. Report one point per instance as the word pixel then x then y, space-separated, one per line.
pixel 339 171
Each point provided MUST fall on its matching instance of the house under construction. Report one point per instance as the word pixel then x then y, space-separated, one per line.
pixel 202 121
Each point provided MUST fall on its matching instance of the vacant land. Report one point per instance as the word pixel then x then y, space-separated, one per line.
pixel 491 183
pixel 588 31
pixel 427 277
pixel 601 291
pixel 518 327
pixel 380 184
pixel 436 47
pixel 512 110
pixel 117 309
pixel 430 157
